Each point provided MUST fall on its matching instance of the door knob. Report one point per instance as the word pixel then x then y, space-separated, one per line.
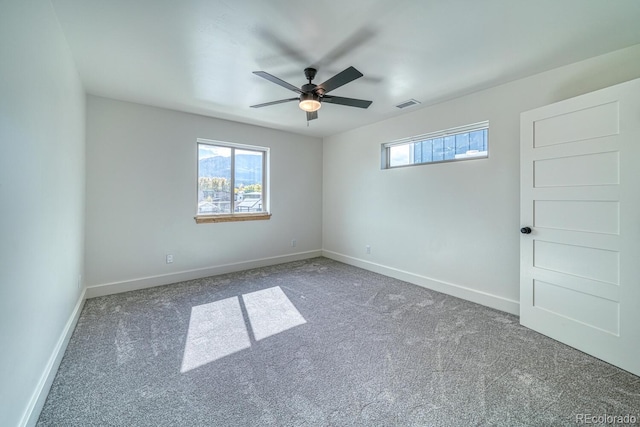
pixel 525 230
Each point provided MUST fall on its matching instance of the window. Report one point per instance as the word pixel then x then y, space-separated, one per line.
pixel 232 182
pixel 461 143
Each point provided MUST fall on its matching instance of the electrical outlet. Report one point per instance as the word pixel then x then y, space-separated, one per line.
pixel 368 249
pixel 169 258
pixel 79 281
pixel 293 243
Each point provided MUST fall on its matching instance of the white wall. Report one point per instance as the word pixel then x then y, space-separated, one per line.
pixel 42 119
pixel 141 198
pixel 453 227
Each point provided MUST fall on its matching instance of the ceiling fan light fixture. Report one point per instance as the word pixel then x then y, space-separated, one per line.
pixel 309 102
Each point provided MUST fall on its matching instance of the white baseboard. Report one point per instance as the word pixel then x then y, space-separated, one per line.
pixel 479 297
pixel 39 396
pixel 181 276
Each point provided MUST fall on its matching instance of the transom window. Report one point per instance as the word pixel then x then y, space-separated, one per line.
pixel 232 182
pixel 460 143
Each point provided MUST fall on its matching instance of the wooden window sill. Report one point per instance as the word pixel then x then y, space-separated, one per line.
pixel 206 219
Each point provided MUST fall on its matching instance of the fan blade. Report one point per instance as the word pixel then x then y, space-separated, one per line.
pixel 348 45
pixel 312 115
pixel 340 79
pixel 266 104
pixel 349 102
pixel 282 48
pixel 277 81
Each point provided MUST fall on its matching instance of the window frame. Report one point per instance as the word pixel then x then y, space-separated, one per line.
pixel 385 157
pixel 233 216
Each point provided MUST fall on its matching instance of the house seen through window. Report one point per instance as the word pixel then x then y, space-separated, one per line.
pixel 232 179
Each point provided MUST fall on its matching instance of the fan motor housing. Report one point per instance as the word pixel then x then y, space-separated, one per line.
pixel 308 88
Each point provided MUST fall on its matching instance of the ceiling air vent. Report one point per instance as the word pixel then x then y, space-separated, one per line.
pixel 408 103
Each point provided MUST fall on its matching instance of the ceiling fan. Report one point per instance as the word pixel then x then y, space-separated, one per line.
pixel 312 96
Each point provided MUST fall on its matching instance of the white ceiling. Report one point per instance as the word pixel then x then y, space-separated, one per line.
pixel 198 55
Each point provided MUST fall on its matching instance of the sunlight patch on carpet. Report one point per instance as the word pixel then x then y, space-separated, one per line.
pixel 271 312
pixel 218 329
pixel 215 330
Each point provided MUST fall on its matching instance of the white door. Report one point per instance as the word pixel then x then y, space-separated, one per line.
pixel 580 197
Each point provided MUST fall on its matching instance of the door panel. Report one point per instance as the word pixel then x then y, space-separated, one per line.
pixel 594 122
pixel 577 215
pixel 580 266
pixel 571 171
pixel 578 306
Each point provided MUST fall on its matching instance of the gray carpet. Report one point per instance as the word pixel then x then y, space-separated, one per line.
pixel 319 343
